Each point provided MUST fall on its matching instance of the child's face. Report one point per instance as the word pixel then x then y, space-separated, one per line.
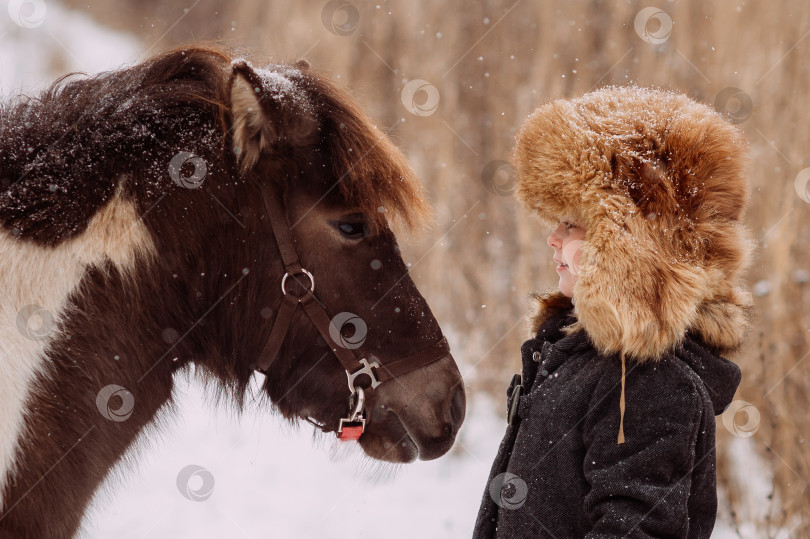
pixel 567 240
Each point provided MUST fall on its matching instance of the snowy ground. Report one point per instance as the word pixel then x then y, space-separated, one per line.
pixel 269 480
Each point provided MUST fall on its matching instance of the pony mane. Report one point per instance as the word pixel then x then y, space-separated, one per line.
pixel 372 172
pixel 62 154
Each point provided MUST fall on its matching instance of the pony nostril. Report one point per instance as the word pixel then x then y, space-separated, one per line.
pixel 457 409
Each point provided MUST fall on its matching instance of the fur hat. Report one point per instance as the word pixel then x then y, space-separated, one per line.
pixel 659 181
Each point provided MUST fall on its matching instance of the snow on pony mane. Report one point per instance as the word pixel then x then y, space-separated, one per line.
pixel 282 82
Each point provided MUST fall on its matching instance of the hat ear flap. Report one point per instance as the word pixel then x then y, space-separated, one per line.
pixel 626 298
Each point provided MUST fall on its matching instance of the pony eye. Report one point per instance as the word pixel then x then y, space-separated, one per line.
pixel 352 229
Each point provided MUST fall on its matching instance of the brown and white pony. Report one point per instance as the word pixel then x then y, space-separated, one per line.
pixel 135 241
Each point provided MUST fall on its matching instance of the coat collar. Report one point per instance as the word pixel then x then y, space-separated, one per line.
pixel 556 322
pixel 720 325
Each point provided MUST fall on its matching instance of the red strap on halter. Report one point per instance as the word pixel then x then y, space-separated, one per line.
pixel 351 433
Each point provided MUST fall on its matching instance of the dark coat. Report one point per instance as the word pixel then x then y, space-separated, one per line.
pixel 570 476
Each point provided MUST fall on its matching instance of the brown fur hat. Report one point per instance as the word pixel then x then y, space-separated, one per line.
pixel 659 181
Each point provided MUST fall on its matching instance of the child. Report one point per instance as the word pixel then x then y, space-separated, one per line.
pixel 612 423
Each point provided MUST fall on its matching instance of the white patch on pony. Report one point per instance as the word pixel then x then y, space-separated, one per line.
pixel 35 283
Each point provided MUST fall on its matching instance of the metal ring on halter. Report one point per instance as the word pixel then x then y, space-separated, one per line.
pixel 305 272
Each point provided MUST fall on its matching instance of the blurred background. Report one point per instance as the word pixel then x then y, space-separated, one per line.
pixel 451 82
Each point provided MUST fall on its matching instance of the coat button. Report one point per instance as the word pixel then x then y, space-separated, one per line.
pixel 536 356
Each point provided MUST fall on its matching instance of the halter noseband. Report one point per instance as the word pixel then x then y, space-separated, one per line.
pixel 352 426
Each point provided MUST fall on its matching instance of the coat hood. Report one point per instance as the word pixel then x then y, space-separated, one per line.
pixel 658 181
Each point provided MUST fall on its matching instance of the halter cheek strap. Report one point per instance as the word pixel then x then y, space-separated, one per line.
pixel 354 366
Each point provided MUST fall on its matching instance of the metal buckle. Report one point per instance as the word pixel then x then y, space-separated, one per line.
pixel 305 272
pixel 351 427
pixel 365 369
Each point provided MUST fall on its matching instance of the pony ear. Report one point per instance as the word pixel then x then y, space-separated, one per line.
pixel 267 114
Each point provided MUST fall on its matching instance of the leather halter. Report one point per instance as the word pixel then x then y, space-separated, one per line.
pixel 353 365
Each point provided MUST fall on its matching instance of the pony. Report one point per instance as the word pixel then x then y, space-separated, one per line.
pixel 196 211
